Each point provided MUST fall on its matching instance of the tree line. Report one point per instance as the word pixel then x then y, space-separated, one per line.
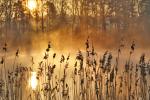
pixel 102 15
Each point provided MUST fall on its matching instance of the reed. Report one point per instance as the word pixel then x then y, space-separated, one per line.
pixel 93 77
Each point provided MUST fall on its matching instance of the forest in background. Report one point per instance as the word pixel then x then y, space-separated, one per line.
pixel 101 15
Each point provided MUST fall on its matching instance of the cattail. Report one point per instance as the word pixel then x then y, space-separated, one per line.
pixel 132 47
pixel 49 45
pixel 52 69
pixel 62 59
pixel 142 65
pixel 106 63
pixel 120 47
pixel 109 59
pixel 5 47
pixel 87 44
pixel 103 60
pixel 54 55
pixel 32 60
pixel 40 64
pixel 46 56
pixel 126 67
pixel 120 85
pixel 112 75
pixel 142 59
pixel 17 53
pixel 2 60
pixel 49 73
pixel 47 49
pixel 93 51
pixel 143 71
pixel 75 71
pixel 68 57
pixel 94 64
pixel 79 56
pixel 75 65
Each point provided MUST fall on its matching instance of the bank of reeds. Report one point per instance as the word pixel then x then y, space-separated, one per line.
pixel 93 77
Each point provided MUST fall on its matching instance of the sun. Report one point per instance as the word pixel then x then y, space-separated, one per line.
pixel 32 4
pixel 33 82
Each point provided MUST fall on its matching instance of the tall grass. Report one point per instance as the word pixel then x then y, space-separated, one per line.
pixel 93 77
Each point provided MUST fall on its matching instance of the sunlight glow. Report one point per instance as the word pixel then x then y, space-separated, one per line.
pixel 32 4
pixel 33 81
